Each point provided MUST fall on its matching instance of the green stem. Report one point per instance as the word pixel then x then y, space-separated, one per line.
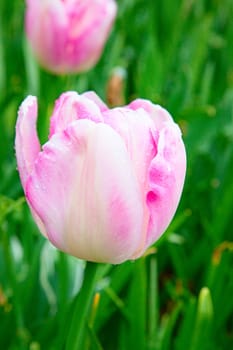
pixel 81 308
pixel 153 303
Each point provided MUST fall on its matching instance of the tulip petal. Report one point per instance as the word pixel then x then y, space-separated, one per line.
pixel 166 179
pixel 88 30
pixel 87 170
pixel 91 95
pixel 135 129
pixel 27 144
pixel 46 24
pixel 70 107
pixel 165 172
pixel 158 114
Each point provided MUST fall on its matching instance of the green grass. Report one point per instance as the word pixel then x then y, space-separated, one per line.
pixel 179 296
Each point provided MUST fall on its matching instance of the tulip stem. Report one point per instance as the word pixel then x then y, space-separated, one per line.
pixel 82 304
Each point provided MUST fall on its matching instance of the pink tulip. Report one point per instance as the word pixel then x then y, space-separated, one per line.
pixel 68 36
pixel 108 181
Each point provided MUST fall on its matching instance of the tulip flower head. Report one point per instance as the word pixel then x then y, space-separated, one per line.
pixel 107 183
pixel 68 36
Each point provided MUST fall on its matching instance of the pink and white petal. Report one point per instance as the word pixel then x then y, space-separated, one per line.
pixel 91 95
pixel 159 115
pixel 86 21
pixel 137 130
pixel 27 144
pixel 85 192
pixel 47 17
pixel 138 133
pixel 70 107
pixel 166 180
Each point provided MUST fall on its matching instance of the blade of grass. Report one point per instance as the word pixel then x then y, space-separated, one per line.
pixel 201 338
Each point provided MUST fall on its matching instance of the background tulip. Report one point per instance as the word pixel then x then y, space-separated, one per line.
pixel 108 181
pixel 68 36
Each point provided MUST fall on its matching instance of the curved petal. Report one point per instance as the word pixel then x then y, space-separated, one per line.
pixel 70 107
pixel 46 25
pixel 137 130
pixel 166 171
pixel 27 144
pixel 166 179
pixel 158 114
pixel 86 193
pixel 91 95
pixel 90 23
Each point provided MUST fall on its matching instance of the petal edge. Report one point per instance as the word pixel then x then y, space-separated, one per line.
pixel 27 145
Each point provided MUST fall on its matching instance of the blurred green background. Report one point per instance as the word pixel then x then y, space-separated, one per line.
pixel 180 295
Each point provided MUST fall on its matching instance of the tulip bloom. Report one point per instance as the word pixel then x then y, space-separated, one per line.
pixel 107 183
pixel 68 36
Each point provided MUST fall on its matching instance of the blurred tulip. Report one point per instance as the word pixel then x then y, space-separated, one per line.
pixel 68 36
pixel 108 181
